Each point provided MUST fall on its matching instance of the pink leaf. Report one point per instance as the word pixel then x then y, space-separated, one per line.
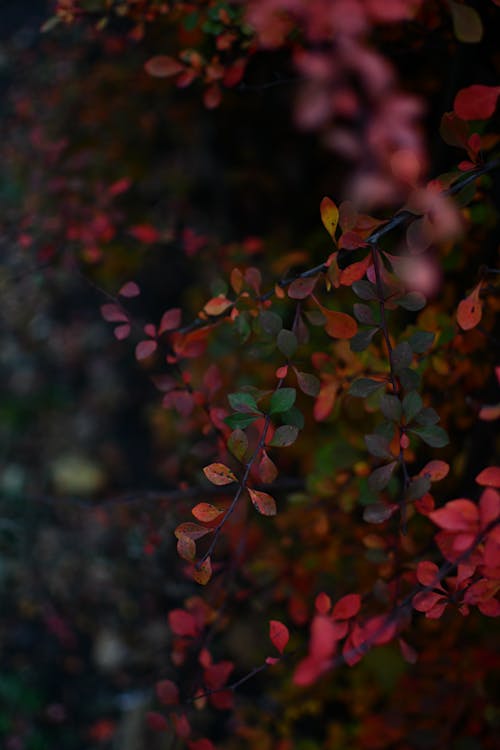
pixel 130 289
pixel 279 635
pixel 144 349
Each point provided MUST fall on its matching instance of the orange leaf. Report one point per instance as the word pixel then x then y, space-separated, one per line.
pixel 339 325
pixel 489 413
pixel 263 502
pixel 219 474
pixel 186 548
pixel 470 310
pixel 329 216
pixel 191 530
pixel 355 271
pixel 206 512
pixel 162 66
pixel 435 470
pixel 217 305
pixel 203 574
pixel 279 635
pixel 489 477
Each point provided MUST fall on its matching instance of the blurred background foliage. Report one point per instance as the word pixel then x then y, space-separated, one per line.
pixel 88 567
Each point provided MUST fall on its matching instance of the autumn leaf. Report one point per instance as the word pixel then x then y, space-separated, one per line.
pixel 219 474
pixel 476 102
pixel 163 66
pixel 489 477
pixel 279 635
pixel 202 573
pixel 217 305
pixel 339 325
pixel 329 216
pixel 347 607
pixel 206 512
pixel 263 503
pixel 130 289
pixel 145 349
pixel 470 310
pixel 167 692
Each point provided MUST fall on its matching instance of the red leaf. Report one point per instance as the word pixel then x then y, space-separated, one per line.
pixel 263 503
pixel 191 530
pixel 170 319
pixel 202 744
pixel 351 241
pixel 144 349
pixel 408 652
pixel 435 470
pixel 430 602
pixel 308 670
pixel 215 676
pixel 346 607
pixel 156 722
pixel 427 573
pixel 489 477
pixel 476 102
pixel 323 638
pixel 470 310
pixel 181 725
pixel 323 603
pixel 219 474
pixel 206 512
pixel 130 289
pixel 122 332
pixel 167 692
pixel 182 623
pixel 279 635
pixel 113 313
pixel 457 515
pixel 162 66
pixel 355 271
pixel 144 233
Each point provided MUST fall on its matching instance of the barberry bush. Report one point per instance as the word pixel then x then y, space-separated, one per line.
pixel 315 334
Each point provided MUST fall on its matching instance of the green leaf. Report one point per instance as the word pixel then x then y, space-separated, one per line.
pixel 240 420
pixel 427 416
pixel 390 406
pixel 364 387
pixel 282 400
pixel 243 327
pixel 402 356
pixel 362 340
pixel 191 21
pixel 386 429
pixel 364 314
pixel 284 436
pixel 243 402
pixel 238 444
pixel 433 435
pixel 413 301
pixel 412 404
pixel 365 290
pixel 293 416
pixel 421 341
pixel 410 380
pixel 378 446
pixel 467 23
pixel 270 322
pixel 380 478
pixel 287 343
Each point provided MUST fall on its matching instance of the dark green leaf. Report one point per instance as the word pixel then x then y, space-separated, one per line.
pixel 380 478
pixel 240 420
pixel 364 290
pixel 287 343
pixel 282 400
pixel 362 340
pixel 284 436
pixel 418 488
pixel 410 380
pixel 378 512
pixel 402 356
pixel 427 416
pixel 270 322
pixel 433 435
pixel 308 384
pixel 293 416
pixel 420 341
pixel 243 402
pixel 364 387
pixel 378 446
pixel 413 301
pixel 412 404
pixel 390 406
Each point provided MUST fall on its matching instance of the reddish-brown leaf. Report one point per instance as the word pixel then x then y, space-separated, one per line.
pixel 191 530
pixel 476 102
pixel 470 310
pixel 263 503
pixel 339 325
pixel 156 722
pixel 206 512
pixel 203 573
pixel 302 288
pixel 267 469
pixel 279 635
pixel 219 474
pixel 167 692
pixel 163 66
pixel 435 470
